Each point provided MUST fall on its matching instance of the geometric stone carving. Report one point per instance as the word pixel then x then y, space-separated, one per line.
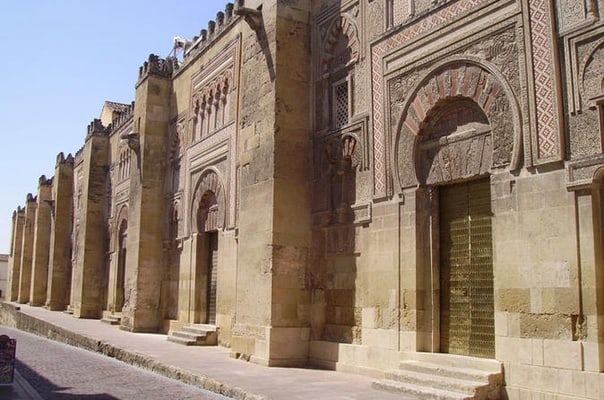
pixel 549 143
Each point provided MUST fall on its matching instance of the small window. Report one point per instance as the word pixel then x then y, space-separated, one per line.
pixel 341 104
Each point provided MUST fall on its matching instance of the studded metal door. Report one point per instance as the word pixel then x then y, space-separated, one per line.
pixel 212 276
pixel 466 270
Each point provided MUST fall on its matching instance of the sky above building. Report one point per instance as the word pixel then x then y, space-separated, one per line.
pixel 62 60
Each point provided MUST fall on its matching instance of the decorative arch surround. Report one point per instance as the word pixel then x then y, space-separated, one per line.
pixel 209 183
pixel 122 215
pixel 474 82
pixel 341 45
pixel 591 75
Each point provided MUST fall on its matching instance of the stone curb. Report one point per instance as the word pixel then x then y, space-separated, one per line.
pixel 11 316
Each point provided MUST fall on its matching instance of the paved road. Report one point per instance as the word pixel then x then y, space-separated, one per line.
pixel 61 372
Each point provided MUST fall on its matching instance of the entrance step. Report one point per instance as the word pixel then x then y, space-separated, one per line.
pixel 445 377
pixel 195 335
pixel 111 319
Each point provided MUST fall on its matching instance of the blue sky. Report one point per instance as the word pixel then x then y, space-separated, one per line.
pixel 62 59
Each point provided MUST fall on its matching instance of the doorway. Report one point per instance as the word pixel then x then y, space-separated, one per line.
pixel 466 270
pixel 212 277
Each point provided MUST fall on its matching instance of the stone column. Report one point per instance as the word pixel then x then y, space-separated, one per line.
pixel 14 261
pixel 39 274
pixel 59 274
pixel 89 278
pixel 27 247
pixel 146 212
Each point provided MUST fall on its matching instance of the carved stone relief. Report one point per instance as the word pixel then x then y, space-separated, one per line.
pixel 341 158
pixel 502 50
pixel 475 109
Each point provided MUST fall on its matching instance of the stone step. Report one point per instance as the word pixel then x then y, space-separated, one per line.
pixel 435 380
pixel 111 319
pixel 470 374
pixel 201 329
pixel 455 361
pixel 195 335
pixel 179 340
pixel 419 392
pixel 445 376
pixel 191 336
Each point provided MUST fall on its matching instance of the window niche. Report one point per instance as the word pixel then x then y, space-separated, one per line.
pixel 340 55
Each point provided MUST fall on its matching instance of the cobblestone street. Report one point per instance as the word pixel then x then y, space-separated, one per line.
pixel 62 372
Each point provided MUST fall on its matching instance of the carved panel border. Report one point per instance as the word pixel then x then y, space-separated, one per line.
pixel 548 141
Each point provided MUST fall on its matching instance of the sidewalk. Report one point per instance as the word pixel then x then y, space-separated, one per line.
pixel 210 368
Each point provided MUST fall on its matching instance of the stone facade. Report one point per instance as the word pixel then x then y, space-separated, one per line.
pixel 348 184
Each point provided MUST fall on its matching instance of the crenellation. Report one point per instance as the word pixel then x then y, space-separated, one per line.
pixel 96 128
pixel 156 65
pixel 208 36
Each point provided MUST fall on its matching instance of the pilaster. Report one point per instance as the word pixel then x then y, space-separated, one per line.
pixel 14 260
pixel 59 274
pixel 39 275
pixel 89 276
pixel 272 325
pixel 27 247
pixel 146 212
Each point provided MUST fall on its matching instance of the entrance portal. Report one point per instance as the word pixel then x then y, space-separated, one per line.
pixel 466 270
